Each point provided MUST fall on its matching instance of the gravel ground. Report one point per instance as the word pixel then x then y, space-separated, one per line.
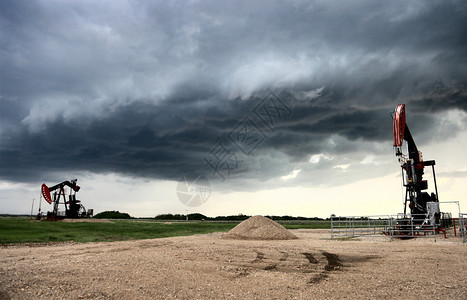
pixel 208 267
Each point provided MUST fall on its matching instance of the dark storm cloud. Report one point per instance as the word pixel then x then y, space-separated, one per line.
pixel 148 89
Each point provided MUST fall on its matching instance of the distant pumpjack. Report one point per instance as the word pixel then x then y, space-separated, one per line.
pixel 73 207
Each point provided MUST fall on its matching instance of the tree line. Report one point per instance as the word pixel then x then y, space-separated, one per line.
pixel 239 217
pixel 200 217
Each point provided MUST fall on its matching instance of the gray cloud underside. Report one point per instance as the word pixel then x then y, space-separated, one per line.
pixel 148 90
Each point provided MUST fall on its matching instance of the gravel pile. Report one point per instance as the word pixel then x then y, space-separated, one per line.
pixel 259 228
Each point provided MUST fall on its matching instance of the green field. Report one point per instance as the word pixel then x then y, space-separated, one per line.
pixel 24 230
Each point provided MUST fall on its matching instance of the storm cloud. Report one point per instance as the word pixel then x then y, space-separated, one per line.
pixel 149 89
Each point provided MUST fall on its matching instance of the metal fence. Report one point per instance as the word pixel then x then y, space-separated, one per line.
pixel 401 226
pixel 462 226
pixel 407 226
pixel 410 226
pixel 346 227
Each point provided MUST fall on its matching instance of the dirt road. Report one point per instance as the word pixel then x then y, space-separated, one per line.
pixel 208 267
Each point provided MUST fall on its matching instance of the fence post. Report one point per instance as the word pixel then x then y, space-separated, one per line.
pixel 332 228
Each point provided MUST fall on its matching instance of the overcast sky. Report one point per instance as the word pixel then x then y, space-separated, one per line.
pixel 283 106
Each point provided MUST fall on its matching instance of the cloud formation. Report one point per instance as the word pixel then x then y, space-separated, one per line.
pixel 147 89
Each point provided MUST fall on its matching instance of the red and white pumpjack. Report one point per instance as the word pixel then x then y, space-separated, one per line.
pixel 424 207
pixel 73 207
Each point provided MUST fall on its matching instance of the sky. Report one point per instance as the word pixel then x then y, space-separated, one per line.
pixel 262 107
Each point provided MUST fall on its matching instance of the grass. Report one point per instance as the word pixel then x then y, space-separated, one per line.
pixel 23 230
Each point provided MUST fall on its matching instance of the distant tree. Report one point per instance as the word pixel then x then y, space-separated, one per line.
pixel 178 217
pixel 197 216
pixel 114 214
pixel 170 217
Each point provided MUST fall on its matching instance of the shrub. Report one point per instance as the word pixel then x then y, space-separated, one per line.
pixel 112 215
